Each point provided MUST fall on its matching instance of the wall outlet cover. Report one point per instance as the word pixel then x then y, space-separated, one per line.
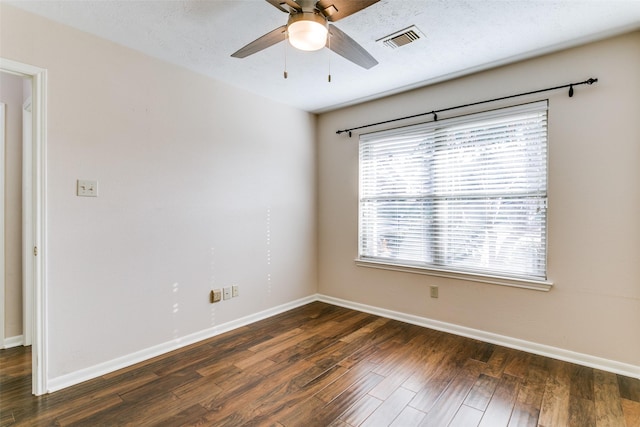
pixel 216 295
pixel 87 188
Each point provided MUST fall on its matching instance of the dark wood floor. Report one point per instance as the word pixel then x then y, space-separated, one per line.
pixel 321 365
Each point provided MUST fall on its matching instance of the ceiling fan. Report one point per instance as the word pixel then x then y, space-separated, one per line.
pixel 308 29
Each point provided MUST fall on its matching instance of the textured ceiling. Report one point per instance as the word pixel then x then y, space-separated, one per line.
pixel 462 36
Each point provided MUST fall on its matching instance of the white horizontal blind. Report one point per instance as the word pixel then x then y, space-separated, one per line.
pixel 467 194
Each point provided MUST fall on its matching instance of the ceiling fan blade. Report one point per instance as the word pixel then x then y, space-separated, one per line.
pixel 281 3
pixel 261 43
pixel 335 10
pixel 349 49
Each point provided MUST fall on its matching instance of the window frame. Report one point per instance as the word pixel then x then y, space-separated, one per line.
pixel 423 267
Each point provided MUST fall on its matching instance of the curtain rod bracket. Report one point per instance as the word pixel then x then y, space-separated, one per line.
pixel 435 116
pixel 570 91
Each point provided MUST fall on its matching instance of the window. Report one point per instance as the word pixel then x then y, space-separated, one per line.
pixel 466 195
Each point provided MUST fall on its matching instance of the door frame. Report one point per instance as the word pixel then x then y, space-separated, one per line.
pixel 38 244
pixel 2 262
pixel 27 219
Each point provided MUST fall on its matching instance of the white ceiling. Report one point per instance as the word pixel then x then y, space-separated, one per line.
pixel 462 36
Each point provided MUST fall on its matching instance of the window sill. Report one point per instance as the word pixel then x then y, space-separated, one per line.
pixel 537 285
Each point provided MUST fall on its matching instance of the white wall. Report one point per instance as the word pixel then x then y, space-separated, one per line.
pixel 11 93
pixel 594 206
pixel 200 186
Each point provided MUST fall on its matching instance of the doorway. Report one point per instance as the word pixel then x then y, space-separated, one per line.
pixel 16 280
pixel 34 224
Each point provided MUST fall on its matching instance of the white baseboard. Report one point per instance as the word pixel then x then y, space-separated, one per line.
pixel 11 342
pixel 95 371
pixel 73 378
pixel 505 341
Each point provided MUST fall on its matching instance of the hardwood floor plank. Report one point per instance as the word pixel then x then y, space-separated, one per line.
pixel 517 364
pixel 139 412
pixel 293 382
pixel 482 351
pixel 324 415
pixel 303 413
pixel 274 342
pixel 313 377
pixel 497 363
pixel 199 391
pixel 431 359
pixel 390 408
pixel 219 369
pixel 408 417
pixel 631 412
pixel 554 410
pixel 467 417
pixel 351 377
pixel 160 385
pixel 75 415
pixel 365 330
pixel 608 407
pixel 52 407
pixel 581 412
pixel 390 384
pixel 481 392
pixel 6 418
pixel 455 394
pixel 323 365
pixel 526 410
pixel 403 365
pixel 361 410
pixel 271 396
pixel 188 416
pixel 629 388
pixel 442 372
pixel 302 349
pixel 581 379
pixel 501 405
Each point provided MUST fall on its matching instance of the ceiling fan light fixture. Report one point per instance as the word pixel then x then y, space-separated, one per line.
pixel 307 31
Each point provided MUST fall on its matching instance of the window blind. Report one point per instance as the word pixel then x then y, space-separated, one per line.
pixel 467 194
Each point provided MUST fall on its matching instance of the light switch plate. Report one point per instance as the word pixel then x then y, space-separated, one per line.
pixel 87 188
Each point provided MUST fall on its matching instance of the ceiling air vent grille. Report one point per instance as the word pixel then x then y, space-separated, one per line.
pixel 402 37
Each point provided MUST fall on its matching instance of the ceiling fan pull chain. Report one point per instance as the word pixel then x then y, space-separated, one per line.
pixel 329 55
pixel 285 55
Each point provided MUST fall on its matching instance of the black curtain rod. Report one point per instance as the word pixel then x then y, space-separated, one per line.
pixel 435 115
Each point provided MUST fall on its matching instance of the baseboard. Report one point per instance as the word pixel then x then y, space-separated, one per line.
pixel 95 371
pixel 11 342
pixel 505 341
pixel 77 377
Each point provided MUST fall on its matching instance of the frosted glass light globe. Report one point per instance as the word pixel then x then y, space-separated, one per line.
pixel 307 34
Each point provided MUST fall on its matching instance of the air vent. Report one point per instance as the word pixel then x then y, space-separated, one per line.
pixel 402 37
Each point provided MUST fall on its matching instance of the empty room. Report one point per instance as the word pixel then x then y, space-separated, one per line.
pixel 320 213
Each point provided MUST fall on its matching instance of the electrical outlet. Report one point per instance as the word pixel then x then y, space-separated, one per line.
pixel 214 296
pixel 226 293
pixel 235 291
pixel 433 291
